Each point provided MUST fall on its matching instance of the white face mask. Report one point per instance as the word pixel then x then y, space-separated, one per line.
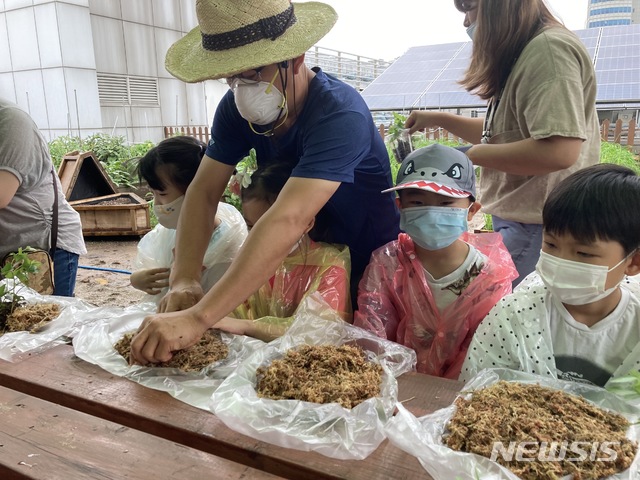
pixel 260 103
pixel 169 213
pixel 471 30
pixel 575 283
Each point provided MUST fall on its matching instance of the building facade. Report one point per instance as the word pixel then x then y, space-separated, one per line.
pixel 85 66
pixel 81 67
pixel 606 13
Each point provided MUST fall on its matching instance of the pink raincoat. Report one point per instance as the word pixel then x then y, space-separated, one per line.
pixel 395 302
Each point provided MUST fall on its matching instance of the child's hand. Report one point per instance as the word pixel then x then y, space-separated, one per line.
pixel 151 281
pixel 233 325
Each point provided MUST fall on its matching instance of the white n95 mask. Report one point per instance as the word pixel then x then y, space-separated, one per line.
pixel 575 283
pixel 260 103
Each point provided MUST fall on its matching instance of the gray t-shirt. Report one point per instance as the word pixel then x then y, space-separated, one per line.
pixel 551 91
pixel 26 220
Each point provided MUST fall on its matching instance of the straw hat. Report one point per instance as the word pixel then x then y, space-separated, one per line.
pixel 234 36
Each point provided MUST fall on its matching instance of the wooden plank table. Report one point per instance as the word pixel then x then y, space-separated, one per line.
pixel 58 376
pixel 42 440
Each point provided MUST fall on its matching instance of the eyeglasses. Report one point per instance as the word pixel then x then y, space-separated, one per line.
pixel 248 77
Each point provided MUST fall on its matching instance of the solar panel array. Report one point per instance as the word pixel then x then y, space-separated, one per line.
pixel 426 77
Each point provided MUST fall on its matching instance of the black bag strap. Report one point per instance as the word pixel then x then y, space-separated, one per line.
pixel 54 220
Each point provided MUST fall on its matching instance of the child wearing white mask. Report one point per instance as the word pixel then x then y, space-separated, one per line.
pixel 169 168
pixel 577 316
pixel 430 288
pixel 310 268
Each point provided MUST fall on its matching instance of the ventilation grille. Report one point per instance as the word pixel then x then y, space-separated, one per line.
pixel 127 90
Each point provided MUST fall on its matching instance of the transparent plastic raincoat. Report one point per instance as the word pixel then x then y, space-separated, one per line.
pixel 395 302
pixel 155 249
pixel 323 268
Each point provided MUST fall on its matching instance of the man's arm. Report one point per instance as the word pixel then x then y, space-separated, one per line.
pixel 195 228
pixel 268 243
pixel 528 156
pixel 9 184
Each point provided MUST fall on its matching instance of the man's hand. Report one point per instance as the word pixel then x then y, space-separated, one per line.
pixel 150 281
pixel 184 294
pixel 160 335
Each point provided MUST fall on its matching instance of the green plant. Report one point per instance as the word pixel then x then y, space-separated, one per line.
pixel 619 155
pixel 396 126
pixel 140 149
pixel 245 167
pixel 17 269
pixel 116 157
pixel 58 147
pixel 488 221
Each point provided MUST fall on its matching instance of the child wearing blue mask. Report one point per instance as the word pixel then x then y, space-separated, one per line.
pixel 169 168
pixel 577 318
pixel 430 288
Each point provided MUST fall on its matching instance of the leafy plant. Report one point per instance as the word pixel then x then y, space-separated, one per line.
pixel 59 147
pixel 111 151
pixel 396 126
pixel 245 167
pixel 619 155
pixel 17 269
pixel 399 138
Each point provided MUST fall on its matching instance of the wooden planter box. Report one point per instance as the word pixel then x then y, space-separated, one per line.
pixel 82 176
pixel 119 214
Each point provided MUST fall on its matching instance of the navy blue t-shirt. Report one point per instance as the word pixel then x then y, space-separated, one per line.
pixel 334 138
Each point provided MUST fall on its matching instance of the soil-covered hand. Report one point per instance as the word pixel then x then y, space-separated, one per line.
pixel 182 295
pixel 160 335
pixel 150 281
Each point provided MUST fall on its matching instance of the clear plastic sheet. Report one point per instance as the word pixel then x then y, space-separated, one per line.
pixel 329 429
pixel 94 344
pixel 15 345
pixel 155 249
pixel 422 436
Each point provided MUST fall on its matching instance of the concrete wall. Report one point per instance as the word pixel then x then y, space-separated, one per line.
pixel 53 52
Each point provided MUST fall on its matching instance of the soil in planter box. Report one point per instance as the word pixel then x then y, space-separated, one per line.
pixel 114 201
pixel 29 318
pixel 208 350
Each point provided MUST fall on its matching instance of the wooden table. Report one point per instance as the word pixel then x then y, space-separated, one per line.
pixel 56 392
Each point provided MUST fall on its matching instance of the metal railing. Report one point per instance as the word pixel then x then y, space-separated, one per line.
pixel 356 70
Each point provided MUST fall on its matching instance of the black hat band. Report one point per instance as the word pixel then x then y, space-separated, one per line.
pixel 271 27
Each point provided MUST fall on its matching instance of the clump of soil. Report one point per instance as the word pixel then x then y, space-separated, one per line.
pixel 31 317
pixel 321 374
pixel 115 201
pixel 515 412
pixel 208 350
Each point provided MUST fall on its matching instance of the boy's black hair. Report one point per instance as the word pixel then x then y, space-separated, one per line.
pixel 267 181
pixel 598 202
pixel 179 155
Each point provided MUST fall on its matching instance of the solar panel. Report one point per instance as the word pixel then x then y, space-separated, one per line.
pixel 427 76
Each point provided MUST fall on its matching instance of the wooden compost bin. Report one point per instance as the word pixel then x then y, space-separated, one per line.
pixel 118 214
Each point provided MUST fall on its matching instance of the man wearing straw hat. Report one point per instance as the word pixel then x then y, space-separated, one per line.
pixel 282 109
